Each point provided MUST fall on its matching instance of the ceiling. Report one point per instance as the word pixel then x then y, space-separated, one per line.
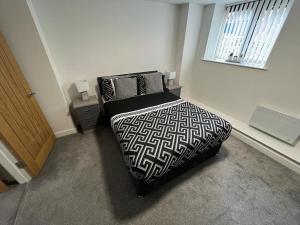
pixel 196 1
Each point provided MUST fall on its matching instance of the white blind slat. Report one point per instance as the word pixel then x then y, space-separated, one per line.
pixel 221 40
pixel 241 20
pixel 234 27
pixel 255 16
pixel 233 34
pixel 228 29
pixel 278 23
pixel 246 18
pixel 261 34
pixel 256 33
pixel 273 19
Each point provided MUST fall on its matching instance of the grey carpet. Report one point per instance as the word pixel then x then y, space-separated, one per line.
pixel 85 182
pixel 9 204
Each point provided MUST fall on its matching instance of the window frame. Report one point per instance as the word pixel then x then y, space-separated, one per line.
pixel 250 31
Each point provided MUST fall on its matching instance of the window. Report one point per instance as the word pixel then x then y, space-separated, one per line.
pixel 249 31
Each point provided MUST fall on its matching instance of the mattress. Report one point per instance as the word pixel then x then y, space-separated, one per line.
pixel 163 133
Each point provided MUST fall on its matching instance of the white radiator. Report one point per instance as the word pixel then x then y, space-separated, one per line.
pixel 276 124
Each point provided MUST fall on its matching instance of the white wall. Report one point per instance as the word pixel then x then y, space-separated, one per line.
pixel 207 18
pixel 236 91
pixel 18 28
pixel 192 31
pixel 181 32
pixel 217 14
pixel 99 37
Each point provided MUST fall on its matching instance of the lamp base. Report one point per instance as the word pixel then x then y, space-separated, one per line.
pixel 84 96
pixel 170 82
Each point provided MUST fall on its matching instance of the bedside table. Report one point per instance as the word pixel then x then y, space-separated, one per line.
pixel 86 114
pixel 174 89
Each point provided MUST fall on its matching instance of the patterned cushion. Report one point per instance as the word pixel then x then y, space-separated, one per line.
pixel 141 85
pixel 108 90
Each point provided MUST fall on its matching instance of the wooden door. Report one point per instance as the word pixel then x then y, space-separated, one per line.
pixel 22 124
pixel 3 187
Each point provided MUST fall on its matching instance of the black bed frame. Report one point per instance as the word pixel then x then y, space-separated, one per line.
pixel 142 187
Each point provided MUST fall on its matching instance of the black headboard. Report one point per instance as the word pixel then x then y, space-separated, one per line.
pixel 99 79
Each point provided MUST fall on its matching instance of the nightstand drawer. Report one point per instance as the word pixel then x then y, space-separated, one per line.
pixel 88 119
pixel 88 110
pixel 90 123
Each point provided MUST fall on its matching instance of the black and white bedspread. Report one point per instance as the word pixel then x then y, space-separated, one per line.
pixel 156 139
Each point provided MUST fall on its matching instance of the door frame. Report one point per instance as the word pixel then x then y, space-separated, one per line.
pixel 8 162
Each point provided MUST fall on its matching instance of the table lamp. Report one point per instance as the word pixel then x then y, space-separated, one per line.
pixel 170 76
pixel 82 87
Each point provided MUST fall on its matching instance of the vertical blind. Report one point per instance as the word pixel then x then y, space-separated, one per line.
pixel 250 30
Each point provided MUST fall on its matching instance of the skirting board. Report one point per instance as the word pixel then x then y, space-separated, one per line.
pixel 250 140
pixel 266 150
pixel 63 133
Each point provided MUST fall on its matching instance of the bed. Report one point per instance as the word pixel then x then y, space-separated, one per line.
pixel 162 135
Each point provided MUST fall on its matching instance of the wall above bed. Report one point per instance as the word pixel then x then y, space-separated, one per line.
pixel 99 37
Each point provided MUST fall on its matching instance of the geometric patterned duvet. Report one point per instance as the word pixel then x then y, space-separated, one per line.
pixel 156 139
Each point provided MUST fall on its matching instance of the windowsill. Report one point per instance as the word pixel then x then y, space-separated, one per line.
pixel 235 64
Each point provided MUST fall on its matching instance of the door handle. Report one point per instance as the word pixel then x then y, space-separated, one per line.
pixel 31 94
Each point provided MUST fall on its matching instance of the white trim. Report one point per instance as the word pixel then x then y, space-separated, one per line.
pixel 272 147
pixel 266 150
pixel 235 64
pixel 63 133
pixel 7 161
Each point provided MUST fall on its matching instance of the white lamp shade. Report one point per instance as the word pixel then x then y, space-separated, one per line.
pixel 172 76
pixel 82 86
